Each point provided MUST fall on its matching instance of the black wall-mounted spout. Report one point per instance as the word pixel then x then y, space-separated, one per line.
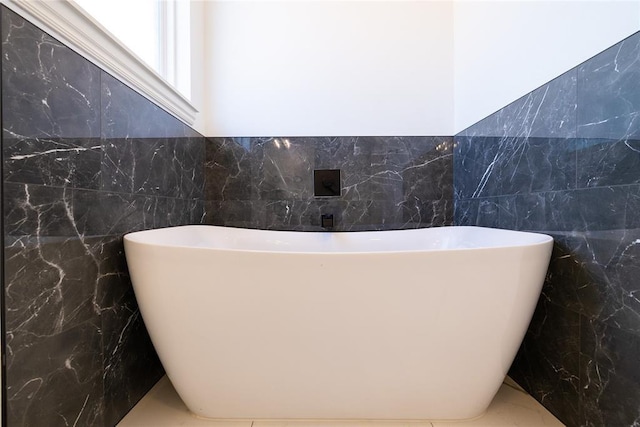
pixel 326 221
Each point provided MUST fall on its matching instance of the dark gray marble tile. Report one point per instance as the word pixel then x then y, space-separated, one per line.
pixel 100 213
pixel 608 96
pixel 33 210
pixel 61 162
pixel 128 115
pixel 412 146
pixel 130 365
pixel 55 380
pixel 523 212
pixel 365 216
pixel 48 91
pixel 60 290
pixel 352 155
pixel 385 179
pixel 608 278
pixel 50 107
pixel 186 168
pixel 547 365
pixel 601 208
pixel 428 179
pixel 303 215
pixel 567 275
pixel 283 168
pixel 231 213
pixel 146 150
pixel 590 209
pixel 228 169
pixel 149 165
pixel 632 219
pixel 112 273
pixel 501 166
pixel 55 285
pixel 411 167
pixel 390 168
pixel 169 212
pixel 177 212
pixel 374 215
pixel 548 164
pixel 593 274
pixel 300 215
pixel 465 212
pixel 610 376
pixel 197 211
pixel 483 212
pixel 118 167
pixel 604 162
pixel 475 168
pixel 168 167
pixel 349 152
pixel 597 209
pixel 348 215
pixel 49 286
pixel 562 211
pixel 387 182
pixel 425 213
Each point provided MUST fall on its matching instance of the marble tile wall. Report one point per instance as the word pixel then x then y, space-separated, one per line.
pixel 565 160
pixel 387 182
pixel 85 160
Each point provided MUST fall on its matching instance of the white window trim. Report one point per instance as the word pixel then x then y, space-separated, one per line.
pixel 66 21
pixel 166 37
pixel 174 60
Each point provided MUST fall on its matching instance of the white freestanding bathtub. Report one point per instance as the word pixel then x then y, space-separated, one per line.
pixel 414 324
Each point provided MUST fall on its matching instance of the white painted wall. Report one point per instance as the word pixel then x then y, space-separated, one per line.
pixel 329 68
pixel 322 67
pixel 359 67
pixel 505 49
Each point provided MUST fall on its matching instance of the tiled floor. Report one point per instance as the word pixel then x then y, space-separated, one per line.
pixel 162 407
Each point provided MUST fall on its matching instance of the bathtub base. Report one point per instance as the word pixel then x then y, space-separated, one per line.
pixel 335 420
pixel 340 347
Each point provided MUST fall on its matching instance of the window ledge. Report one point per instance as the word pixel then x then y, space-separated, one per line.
pixel 65 21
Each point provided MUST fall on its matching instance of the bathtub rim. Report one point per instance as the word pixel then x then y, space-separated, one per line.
pixel 533 239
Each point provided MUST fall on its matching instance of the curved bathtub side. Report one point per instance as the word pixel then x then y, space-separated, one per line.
pixel 419 335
